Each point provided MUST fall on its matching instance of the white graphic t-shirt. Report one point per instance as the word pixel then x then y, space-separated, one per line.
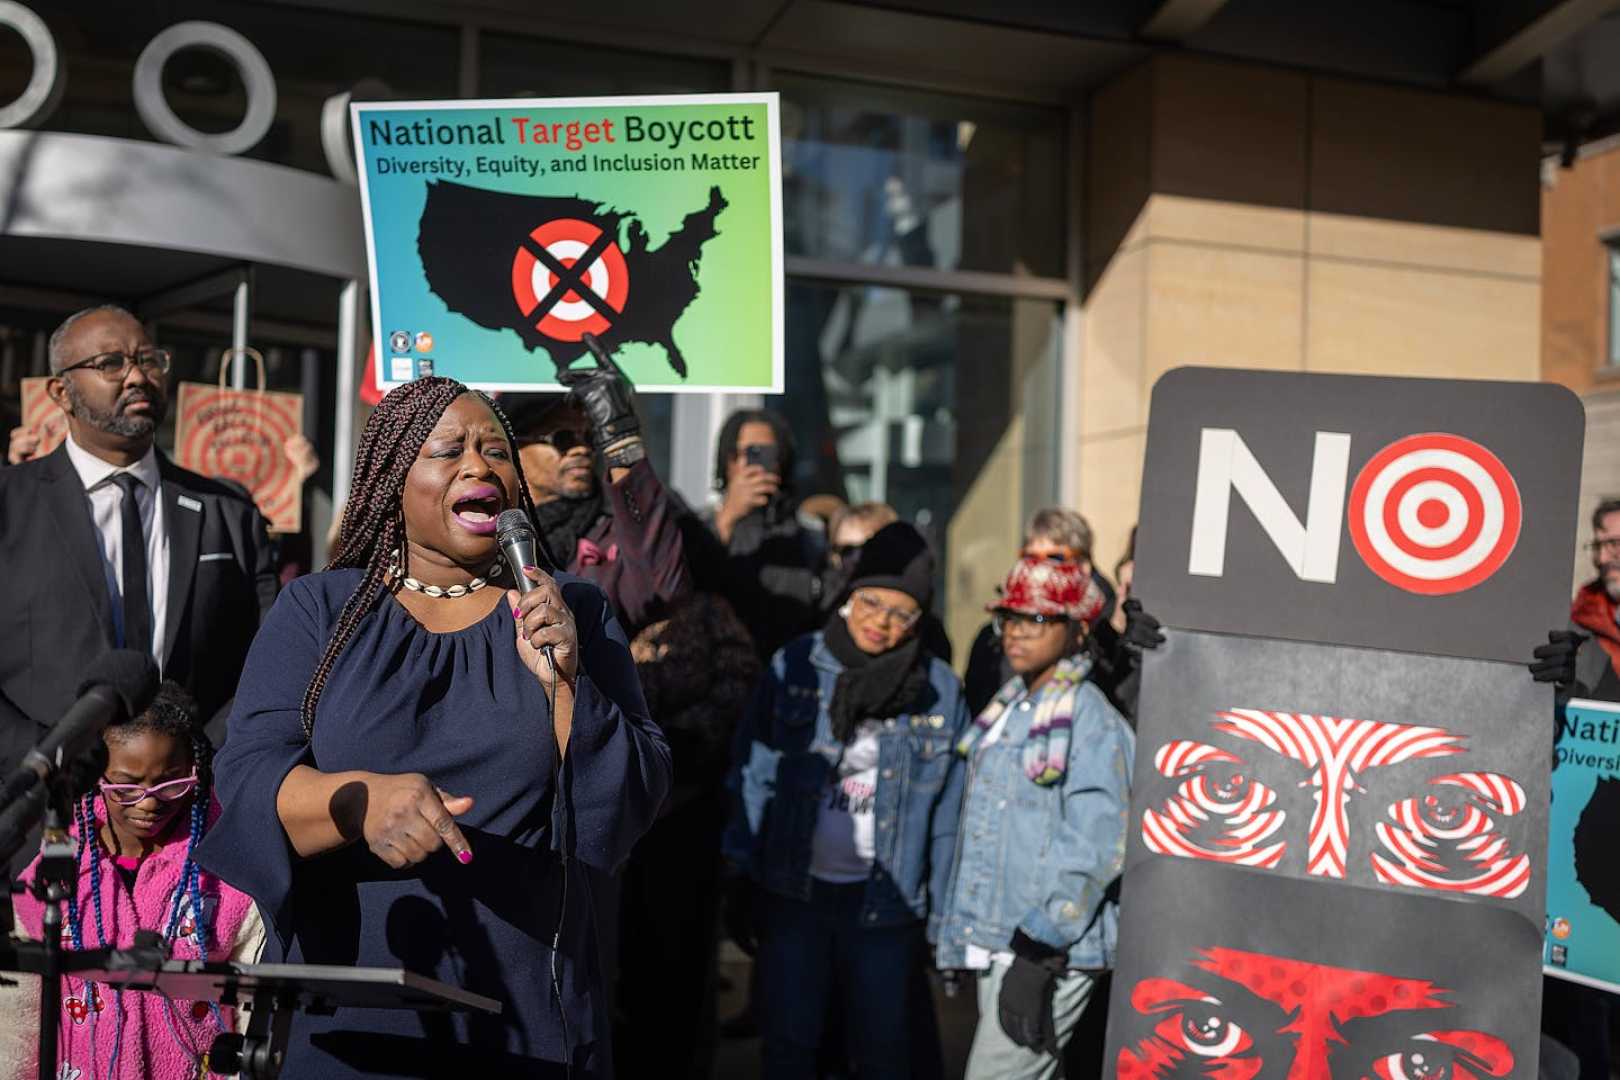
pixel 842 850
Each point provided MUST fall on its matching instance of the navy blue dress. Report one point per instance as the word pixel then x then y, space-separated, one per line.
pixel 461 709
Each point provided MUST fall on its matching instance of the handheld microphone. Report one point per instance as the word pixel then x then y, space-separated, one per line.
pixel 520 547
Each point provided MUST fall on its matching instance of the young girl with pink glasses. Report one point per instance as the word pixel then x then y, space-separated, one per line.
pixel 136 831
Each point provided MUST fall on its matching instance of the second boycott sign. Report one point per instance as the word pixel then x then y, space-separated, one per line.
pixel 502 232
pixel 1583 878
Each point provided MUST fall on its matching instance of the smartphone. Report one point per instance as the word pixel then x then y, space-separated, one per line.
pixel 766 455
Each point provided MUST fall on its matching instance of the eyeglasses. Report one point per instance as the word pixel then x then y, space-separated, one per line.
pixel 874 608
pixel 1605 543
pixel 130 794
pixel 1022 624
pixel 113 366
pixel 562 440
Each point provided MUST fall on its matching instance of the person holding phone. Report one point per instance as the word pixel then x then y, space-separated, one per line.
pixel 758 551
pixel 753 478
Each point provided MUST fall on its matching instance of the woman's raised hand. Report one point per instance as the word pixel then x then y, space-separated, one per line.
pixel 407 819
pixel 543 619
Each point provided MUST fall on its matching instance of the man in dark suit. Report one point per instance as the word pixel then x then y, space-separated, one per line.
pixel 108 544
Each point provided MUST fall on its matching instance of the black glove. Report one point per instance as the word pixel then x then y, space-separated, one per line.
pixel 1142 631
pixel 1555 662
pixel 740 915
pixel 604 393
pixel 1025 1005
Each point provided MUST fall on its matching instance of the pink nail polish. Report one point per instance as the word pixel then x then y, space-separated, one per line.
pixel 517 613
pixel 527 569
pixel 464 857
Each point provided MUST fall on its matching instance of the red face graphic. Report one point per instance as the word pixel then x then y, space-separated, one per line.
pixel 1445 836
pixel 1249 1016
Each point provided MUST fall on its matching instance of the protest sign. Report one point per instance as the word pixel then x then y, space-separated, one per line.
pixel 41 415
pixel 1406 514
pixel 1340 788
pixel 1583 876
pixel 241 435
pixel 1373 768
pixel 502 232
pixel 1274 977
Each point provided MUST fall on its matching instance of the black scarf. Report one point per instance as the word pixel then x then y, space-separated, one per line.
pixel 872 687
pixel 563 521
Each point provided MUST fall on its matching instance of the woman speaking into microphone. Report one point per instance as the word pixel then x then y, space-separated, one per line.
pixel 390 779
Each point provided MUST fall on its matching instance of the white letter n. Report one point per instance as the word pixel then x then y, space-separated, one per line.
pixel 1226 465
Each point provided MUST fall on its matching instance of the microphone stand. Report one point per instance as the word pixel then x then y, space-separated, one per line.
pixel 55 880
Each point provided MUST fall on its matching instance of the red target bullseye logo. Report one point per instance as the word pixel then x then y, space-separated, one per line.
pixel 242 437
pixel 1435 514
pixel 579 256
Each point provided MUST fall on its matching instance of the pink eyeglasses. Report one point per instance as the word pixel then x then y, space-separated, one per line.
pixel 130 794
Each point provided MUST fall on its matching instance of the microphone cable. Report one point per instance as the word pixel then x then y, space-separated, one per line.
pixel 519 542
pixel 562 862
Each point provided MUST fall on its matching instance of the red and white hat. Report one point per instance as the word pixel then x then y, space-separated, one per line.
pixel 1044 587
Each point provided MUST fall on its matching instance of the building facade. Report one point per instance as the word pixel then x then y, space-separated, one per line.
pixel 1000 228
pixel 1580 341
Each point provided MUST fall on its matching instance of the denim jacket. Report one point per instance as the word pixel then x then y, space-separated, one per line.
pixel 785 755
pixel 1041 859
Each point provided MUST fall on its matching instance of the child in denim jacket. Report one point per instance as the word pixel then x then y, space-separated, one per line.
pixel 1048 793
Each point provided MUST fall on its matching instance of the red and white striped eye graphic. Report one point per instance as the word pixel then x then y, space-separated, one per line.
pixel 1435 514
pixel 1448 839
pixel 1217 812
pixel 1335 749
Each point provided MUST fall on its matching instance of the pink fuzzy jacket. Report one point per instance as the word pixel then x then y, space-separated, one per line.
pixel 155 1039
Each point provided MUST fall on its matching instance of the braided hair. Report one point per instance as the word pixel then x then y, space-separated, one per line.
pixel 373 526
pixel 174 713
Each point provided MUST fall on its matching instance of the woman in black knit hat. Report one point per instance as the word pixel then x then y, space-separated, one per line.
pixel 845 821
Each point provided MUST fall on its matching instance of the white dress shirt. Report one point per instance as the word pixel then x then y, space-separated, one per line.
pixel 106 508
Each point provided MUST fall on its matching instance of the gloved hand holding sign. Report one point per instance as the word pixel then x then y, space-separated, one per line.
pixel 605 395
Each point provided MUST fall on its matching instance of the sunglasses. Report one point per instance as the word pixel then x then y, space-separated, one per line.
pixel 1022 624
pixel 844 553
pixel 1059 555
pixel 562 440
pixel 130 794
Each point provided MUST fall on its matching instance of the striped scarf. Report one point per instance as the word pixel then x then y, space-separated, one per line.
pixel 1046 747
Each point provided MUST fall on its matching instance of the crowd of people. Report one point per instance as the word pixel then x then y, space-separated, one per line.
pixel 560 792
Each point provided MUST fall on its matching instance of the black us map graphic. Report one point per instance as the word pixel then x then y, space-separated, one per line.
pixel 468 237
pixel 1596 869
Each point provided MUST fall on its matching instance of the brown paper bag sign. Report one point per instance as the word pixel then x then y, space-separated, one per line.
pixel 42 416
pixel 241 435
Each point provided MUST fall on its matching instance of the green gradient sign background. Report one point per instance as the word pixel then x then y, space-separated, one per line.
pixel 730 334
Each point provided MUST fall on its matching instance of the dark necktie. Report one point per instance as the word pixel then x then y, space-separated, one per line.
pixel 137 614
